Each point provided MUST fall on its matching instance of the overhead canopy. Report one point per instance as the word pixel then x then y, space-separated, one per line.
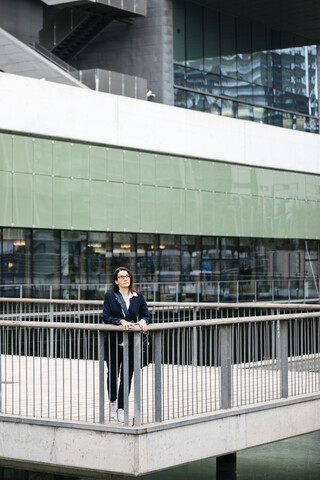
pixel 300 17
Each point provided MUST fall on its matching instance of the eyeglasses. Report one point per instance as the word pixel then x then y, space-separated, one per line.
pixel 123 277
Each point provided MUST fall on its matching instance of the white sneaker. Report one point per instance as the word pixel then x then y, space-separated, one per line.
pixel 120 415
pixel 113 409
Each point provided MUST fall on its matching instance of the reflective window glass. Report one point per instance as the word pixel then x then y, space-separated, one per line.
pixel 124 251
pixel 46 254
pixel 210 265
pixel 244 50
pixel 195 101
pixel 212 105
pixel 169 258
pixel 99 251
pixel 211 38
pixel 16 257
pixel 228 46
pixel 194 36
pixel 179 49
pixel 190 257
pixel 147 258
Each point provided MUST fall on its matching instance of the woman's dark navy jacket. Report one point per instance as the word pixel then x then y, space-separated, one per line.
pixel 112 312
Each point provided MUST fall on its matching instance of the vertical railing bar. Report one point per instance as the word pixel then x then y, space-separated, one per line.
pixel 125 366
pixel 137 376
pixel 101 355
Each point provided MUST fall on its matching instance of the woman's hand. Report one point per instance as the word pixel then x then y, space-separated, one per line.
pixel 126 325
pixel 143 325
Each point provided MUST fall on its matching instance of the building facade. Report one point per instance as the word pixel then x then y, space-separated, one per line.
pixel 99 168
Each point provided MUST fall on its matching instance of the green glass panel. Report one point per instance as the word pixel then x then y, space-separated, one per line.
pixel 22 154
pixel 192 211
pixel 267 182
pixel 131 166
pixel 163 209
pixel 98 163
pixel 6 198
pixel 302 218
pixel 80 155
pixel 62 202
pixel 80 197
pixel 268 217
pixel 61 164
pixel 225 177
pixel 249 182
pixel 178 210
pixel 192 173
pixel 147 168
pixel 42 215
pixel 207 213
pixel 256 212
pixel 115 164
pixel 169 171
pixel 98 205
pixel 224 206
pixel 312 187
pixel 312 213
pixel 148 210
pixel 131 210
pixel 42 156
pixel 280 219
pixel 206 174
pixel 22 185
pixel 5 152
pixel 280 185
pixel 115 207
pixel 300 181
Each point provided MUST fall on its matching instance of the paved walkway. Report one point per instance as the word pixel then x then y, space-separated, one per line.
pixel 68 389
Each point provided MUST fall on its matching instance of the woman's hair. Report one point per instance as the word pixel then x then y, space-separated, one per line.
pixel 115 277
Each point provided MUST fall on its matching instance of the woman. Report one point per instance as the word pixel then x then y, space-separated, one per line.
pixel 124 306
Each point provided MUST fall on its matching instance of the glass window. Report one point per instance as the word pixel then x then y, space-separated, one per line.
pixel 99 251
pixel 229 247
pixel 247 256
pixel 194 37
pixel 180 98
pixel 228 108
pixel 73 257
pixel 195 101
pixel 211 35
pixel 212 105
pixel 259 55
pixel 190 258
pixel 169 258
pixel 245 111
pixel 16 259
pixel 147 258
pixel 46 254
pixel 244 51
pixel 228 46
pixel 124 251
pixel 179 75
pixel 179 49
pixel 212 84
pixel 210 264
pixel 287 120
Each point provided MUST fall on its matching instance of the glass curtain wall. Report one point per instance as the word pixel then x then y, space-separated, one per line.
pixel 67 261
pixel 239 68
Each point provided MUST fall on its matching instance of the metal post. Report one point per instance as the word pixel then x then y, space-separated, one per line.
pixel 137 376
pixel 157 376
pixel 101 376
pixel 225 339
pixel 51 339
pixel 195 340
pixel 284 358
pixel 126 377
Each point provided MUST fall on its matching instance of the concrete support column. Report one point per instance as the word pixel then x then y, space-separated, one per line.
pixel 226 467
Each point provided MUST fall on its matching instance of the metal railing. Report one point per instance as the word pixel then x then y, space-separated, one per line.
pixel 268 289
pixel 53 362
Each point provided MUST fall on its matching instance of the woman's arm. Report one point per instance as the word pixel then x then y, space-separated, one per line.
pixel 108 314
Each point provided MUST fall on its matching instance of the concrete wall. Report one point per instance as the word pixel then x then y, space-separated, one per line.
pixel 21 18
pixel 90 450
pixel 143 48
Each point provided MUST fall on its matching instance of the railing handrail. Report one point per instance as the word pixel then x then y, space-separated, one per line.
pixel 157 326
pixel 283 306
